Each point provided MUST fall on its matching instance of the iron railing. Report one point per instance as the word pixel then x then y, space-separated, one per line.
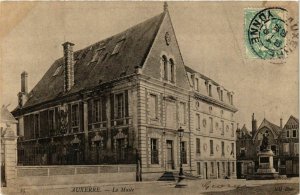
pixel 72 154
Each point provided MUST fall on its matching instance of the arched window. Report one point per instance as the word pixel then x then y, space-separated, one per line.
pixel 172 70
pixel 165 64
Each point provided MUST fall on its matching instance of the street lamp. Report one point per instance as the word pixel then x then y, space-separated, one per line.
pixel 181 176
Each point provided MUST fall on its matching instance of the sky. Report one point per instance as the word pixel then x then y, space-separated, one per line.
pixel 210 36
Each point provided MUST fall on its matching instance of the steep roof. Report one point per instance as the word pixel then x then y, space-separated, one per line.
pixel 265 123
pixel 292 121
pixel 6 116
pixel 90 70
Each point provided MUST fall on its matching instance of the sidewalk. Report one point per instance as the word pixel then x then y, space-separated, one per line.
pixel 151 187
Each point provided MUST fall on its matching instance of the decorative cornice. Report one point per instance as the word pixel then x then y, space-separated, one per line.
pixel 216 102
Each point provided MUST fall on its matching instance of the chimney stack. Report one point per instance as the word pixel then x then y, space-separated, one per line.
pixel 24 84
pixel 281 123
pixel 23 94
pixel 68 66
pixel 254 125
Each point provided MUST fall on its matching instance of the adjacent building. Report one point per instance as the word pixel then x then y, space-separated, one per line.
pixel 283 141
pixel 127 95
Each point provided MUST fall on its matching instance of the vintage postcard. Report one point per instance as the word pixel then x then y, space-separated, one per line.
pixel 149 97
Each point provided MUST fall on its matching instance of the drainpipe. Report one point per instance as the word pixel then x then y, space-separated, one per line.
pixel 189 109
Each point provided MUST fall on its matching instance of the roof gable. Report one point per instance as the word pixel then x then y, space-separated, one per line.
pixel 165 44
pixel 291 121
pixel 276 130
pixel 91 70
pixel 6 116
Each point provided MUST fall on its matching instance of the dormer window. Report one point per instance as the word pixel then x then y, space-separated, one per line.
pixel 209 90
pixel 97 55
pixel 118 47
pixel 57 71
pixel 221 95
pixel 197 84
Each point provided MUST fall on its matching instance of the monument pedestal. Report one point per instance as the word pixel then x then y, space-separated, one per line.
pixel 266 169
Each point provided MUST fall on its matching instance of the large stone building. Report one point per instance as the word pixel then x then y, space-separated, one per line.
pixel 130 92
pixel 283 141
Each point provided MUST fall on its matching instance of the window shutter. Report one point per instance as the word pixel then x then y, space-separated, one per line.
pixel 90 111
pixel 103 107
pixel 112 105
pixel 69 129
pixel 57 122
pixel 44 123
pixel 81 119
pixel 31 119
pixel 26 127
pixel 126 103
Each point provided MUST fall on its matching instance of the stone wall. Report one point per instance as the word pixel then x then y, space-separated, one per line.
pixel 74 174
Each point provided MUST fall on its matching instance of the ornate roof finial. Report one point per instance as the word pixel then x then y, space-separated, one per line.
pixel 165 6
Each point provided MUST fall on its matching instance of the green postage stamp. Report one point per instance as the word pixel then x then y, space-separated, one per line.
pixel 266 33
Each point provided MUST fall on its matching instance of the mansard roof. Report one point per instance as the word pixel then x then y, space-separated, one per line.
pixel 107 66
pixel 190 70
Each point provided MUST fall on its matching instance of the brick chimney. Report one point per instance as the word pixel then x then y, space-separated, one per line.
pixel 281 123
pixel 254 125
pixel 23 94
pixel 68 66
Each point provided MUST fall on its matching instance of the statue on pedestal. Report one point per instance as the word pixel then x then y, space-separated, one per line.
pixel 265 142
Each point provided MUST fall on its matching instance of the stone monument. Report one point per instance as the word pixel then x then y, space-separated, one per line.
pixel 265 160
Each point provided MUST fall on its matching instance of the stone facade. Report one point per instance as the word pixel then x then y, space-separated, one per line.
pixel 141 112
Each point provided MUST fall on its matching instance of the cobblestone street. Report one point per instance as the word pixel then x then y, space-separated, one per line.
pixel 287 186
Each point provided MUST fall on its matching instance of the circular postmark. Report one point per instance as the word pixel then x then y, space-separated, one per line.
pixel 267 33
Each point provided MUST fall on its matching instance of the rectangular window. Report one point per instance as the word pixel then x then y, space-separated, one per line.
pixel 211 128
pixel 223 128
pixel 120 105
pixel 223 167
pixel 294 133
pixel 183 152
pixel 296 148
pixel 181 113
pixel 198 168
pixel 153 106
pixel 209 90
pixel 274 149
pixel 198 121
pixel 242 152
pixel 232 148
pixel 37 125
pixel 75 117
pixel 287 133
pixel 211 143
pixel 286 148
pixel 97 111
pixel 232 130
pixel 154 151
pixel 51 121
pixel 233 167
pixel 223 148
pixel 118 47
pixel 198 146
pixel 197 84
pixel 171 113
pixel 212 167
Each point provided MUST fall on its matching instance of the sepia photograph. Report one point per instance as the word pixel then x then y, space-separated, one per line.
pixel 149 97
